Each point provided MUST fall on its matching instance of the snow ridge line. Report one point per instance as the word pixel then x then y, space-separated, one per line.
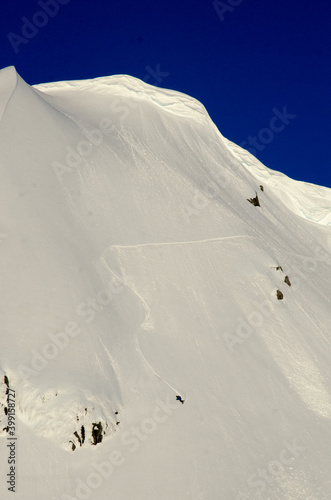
pixel 8 84
pixel 168 243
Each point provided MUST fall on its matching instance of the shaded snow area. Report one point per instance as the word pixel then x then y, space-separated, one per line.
pixel 165 304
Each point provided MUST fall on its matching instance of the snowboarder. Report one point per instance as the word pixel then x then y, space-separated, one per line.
pixel 178 398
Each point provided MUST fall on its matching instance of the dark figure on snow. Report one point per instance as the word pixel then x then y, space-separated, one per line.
pixel 178 398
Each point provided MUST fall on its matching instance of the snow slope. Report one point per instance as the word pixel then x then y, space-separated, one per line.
pixel 133 269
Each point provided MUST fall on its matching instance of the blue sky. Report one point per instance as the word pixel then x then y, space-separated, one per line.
pixel 262 68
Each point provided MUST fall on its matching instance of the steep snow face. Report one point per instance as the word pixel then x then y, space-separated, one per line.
pixel 307 200
pixel 134 269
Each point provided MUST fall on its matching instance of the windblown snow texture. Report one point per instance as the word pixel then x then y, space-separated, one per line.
pixel 133 270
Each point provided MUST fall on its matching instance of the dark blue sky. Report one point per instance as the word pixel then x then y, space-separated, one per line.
pixel 243 59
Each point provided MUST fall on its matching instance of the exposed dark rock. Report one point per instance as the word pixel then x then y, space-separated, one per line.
pixel 255 201
pixel 287 281
pixel 78 437
pixel 97 433
pixel 280 295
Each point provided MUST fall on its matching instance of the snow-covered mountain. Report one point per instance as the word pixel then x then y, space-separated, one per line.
pixel 137 267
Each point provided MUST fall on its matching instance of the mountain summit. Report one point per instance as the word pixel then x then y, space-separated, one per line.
pixel 147 261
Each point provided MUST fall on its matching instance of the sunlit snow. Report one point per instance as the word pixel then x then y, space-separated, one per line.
pixel 134 270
